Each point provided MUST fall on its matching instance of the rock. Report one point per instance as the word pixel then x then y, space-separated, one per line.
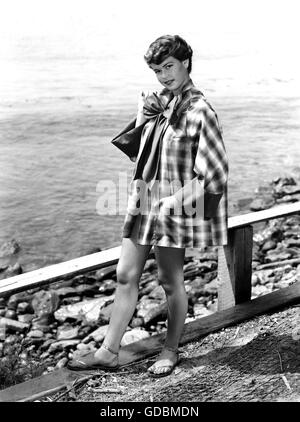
pixel 42 323
pixel 105 314
pixel 259 291
pixel 286 190
pixel 278 256
pixel 67 332
pixel 2 312
pixel 25 318
pixel 144 306
pixel 207 266
pixel 2 302
pixel 208 256
pixel 63 345
pixel 288 198
pixel 150 265
pixel 45 302
pixel 35 334
pixel 11 314
pixel 148 288
pixel 86 289
pixel 13 270
pixel 15 299
pixel 268 245
pixel 293 243
pixel 97 335
pixel 87 310
pixel 63 292
pixel 158 294
pixel 284 181
pixel 155 313
pixel 211 288
pixel 70 300
pixel 9 248
pixel 263 276
pixel 13 325
pixel 134 335
pixel 259 204
pixel 107 272
pixel 24 308
pixel 200 310
pixel 136 322
pixel 107 286
pixel 61 363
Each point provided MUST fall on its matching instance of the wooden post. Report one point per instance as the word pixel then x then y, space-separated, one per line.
pixel 235 268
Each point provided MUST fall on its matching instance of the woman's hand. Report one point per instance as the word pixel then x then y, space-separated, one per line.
pixel 140 118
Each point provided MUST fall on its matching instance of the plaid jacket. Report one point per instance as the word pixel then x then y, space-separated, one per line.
pixel 191 149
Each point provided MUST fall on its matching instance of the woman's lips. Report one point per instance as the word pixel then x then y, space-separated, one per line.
pixel 169 82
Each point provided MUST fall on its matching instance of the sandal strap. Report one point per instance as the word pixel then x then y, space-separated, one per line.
pixel 171 349
pixel 109 349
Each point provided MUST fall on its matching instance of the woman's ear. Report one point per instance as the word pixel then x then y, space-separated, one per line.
pixel 186 63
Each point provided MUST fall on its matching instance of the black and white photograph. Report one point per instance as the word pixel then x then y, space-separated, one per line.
pixel 149 204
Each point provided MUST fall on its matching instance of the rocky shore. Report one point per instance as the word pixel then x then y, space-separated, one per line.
pixel 41 329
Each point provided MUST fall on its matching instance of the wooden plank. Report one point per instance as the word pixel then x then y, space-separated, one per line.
pixel 258 216
pixel 152 345
pixel 55 272
pixel 235 268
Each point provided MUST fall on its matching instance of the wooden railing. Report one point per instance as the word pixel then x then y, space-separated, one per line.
pixel 234 261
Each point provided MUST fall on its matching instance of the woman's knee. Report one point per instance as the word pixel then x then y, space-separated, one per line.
pixel 127 276
pixel 170 284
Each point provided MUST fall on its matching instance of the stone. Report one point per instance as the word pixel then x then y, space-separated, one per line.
pixel 63 345
pixel 13 270
pixel 11 314
pixel 107 286
pixel 144 305
pixel 148 288
pixel 207 266
pixel 42 323
pixel 64 292
pixel 3 312
pixel 25 318
pixel 87 310
pixel 9 248
pixel 268 245
pixel 45 302
pixel 134 335
pixel 277 256
pixel 35 334
pixel 13 325
pixel 97 335
pixel 86 289
pixel 259 204
pixel 136 322
pixel 67 332
pixel 105 313
pixel 200 310
pixel 107 272
pixel 263 276
pixel 211 288
pixel 24 308
pixel 2 302
pixel 155 313
pixel 61 363
pixel 150 265
pixel 293 243
pixel 158 294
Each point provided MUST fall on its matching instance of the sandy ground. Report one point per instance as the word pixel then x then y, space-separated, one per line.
pixel 257 360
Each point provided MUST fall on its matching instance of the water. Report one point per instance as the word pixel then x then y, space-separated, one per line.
pixel 59 112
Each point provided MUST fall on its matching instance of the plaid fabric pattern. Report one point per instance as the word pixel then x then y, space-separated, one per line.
pixel 192 148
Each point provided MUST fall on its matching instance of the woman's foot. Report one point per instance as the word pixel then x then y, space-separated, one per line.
pixel 167 360
pixel 104 358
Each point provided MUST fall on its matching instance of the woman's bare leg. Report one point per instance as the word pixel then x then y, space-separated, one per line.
pixel 129 270
pixel 170 263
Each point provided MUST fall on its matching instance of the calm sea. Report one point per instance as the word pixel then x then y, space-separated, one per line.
pixel 59 113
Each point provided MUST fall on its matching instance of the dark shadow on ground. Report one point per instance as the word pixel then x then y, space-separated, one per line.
pixel 264 355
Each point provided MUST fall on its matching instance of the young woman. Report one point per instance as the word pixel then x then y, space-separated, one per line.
pixel 178 198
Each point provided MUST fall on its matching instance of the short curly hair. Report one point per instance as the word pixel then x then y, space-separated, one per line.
pixel 166 46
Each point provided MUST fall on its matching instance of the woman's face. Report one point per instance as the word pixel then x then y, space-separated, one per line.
pixel 172 73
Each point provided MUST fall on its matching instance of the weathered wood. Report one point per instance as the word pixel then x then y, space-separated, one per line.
pixel 258 216
pixel 234 268
pixel 142 349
